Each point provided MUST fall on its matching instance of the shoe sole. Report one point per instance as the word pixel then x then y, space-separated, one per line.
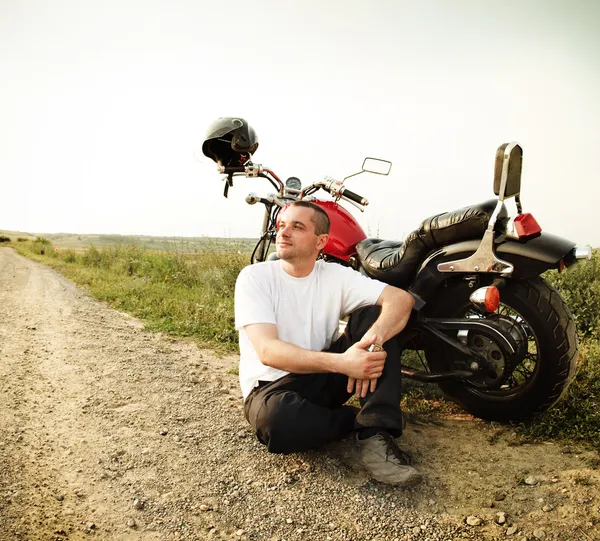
pixel 413 479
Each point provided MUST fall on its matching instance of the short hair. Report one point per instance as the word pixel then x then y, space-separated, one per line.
pixel 319 218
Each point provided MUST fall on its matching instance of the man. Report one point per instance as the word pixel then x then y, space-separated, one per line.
pixel 294 379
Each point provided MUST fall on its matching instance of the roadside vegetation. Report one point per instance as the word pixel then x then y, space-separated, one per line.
pixel 184 294
pixel 191 294
pixel 577 416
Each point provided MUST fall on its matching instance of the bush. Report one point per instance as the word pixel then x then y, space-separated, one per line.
pixel 577 416
pixel 580 288
pixel 4 239
pixel 22 239
pixel 94 258
pixel 40 247
pixel 69 256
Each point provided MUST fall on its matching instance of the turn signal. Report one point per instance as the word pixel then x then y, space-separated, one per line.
pixel 486 298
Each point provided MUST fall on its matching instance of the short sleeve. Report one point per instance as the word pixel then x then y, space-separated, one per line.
pixel 253 303
pixel 359 290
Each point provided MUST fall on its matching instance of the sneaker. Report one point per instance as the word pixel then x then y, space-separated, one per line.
pixel 384 460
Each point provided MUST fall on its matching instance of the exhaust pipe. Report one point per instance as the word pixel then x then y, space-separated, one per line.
pixel 576 254
pixel 582 252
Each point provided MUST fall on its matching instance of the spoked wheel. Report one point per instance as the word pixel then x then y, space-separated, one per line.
pixel 519 381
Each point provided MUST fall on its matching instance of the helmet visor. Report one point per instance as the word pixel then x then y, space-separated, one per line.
pixel 222 126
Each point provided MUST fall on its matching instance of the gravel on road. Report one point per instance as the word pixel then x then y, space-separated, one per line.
pixel 111 432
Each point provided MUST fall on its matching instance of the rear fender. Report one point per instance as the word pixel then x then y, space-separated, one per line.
pixel 529 257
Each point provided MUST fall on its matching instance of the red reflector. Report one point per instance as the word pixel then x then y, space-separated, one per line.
pixel 492 299
pixel 526 225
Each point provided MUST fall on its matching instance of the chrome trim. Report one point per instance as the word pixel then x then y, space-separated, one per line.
pixel 276 200
pixel 253 171
pixel 583 252
pixel 463 336
pixel 510 230
pixel 377 160
pixel 252 198
pixel 483 260
pixel 495 214
pixel 291 194
pixel 478 297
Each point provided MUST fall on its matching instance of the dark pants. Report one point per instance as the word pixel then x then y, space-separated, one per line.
pixel 303 411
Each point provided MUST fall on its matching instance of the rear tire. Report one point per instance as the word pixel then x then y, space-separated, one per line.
pixel 549 359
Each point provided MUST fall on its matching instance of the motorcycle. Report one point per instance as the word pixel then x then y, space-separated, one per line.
pixel 495 336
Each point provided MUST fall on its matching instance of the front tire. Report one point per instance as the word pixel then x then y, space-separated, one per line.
pixel 548 353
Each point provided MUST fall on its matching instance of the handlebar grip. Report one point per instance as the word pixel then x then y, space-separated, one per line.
pixel 228 170
pixel 355 197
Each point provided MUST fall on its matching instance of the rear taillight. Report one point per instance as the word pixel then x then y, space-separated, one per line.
pixel 526 226
pixel 523 226
pixel 486 298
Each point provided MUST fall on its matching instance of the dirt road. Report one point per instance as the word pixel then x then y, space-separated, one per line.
pixel 114 433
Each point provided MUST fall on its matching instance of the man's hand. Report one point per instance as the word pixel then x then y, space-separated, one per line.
pixel 363 367
pixel 396 306
pixel 363 386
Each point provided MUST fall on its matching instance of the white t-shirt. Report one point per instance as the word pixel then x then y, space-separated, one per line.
pixel 305 310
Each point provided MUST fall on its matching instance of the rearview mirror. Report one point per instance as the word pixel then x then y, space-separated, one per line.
pixel 377 166
pixel 507 171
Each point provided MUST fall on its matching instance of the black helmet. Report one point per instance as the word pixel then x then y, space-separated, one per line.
pixel 230 141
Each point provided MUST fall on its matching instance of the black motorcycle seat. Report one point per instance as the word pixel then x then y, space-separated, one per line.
pixel 396 262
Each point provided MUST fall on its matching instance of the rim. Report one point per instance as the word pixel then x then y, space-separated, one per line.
pixel 527 367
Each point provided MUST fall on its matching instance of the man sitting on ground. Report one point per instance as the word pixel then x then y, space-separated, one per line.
pixel 295 378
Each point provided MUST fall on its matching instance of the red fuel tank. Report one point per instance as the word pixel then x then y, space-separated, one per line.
pixel 345 232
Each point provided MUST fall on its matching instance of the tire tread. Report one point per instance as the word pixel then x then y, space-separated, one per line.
pixel 556 330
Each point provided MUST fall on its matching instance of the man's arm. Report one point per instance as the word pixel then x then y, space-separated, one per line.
pixel 355 362
pixel 396 307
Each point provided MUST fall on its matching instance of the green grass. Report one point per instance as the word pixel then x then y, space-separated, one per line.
pixel 179 293
pixel 577 416
pixel 191 294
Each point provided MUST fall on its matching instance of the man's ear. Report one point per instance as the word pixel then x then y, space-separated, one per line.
pixel 322 241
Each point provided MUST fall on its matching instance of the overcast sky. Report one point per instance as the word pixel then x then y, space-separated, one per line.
pixel 104 104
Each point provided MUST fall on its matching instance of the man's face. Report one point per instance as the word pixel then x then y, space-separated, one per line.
pixel 296 239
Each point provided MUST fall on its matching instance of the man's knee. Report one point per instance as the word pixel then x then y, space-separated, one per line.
pixel 275 423
pixel 362 320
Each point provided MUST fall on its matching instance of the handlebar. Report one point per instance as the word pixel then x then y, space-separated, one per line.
pixel 334 187
pixel 337 189
pixel 354 197
pixel 230 170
